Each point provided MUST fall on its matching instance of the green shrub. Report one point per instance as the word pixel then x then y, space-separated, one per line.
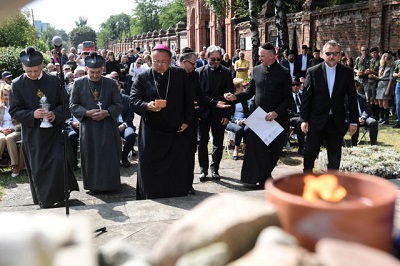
pixel 374 160
pixel 9 60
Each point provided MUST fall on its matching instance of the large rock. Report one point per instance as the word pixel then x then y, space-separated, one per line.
pixel 334 252
pixel 278 248
pixel 230 219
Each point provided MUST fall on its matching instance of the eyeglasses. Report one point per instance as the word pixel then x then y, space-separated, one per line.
pixel 296 85
pixel 215 59
pixel 139 63
pixel 162 62
pixel 332 53
pixel 190 62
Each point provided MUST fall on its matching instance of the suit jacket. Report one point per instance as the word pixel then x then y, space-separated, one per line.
pixel 316 102
pixel 292 110
pixel 365 111
pixel 296 70
pixel 199 63
pixel 127 112
pixel 213 92
pixel 299 61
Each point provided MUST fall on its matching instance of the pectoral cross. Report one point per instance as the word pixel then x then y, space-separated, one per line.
pixel 99 105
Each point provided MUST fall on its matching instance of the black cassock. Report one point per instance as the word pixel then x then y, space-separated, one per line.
pixel 164 154
pixel 42 147
pixel 100 141
pixel 271 88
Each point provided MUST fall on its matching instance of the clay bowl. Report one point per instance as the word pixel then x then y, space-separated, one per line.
pixel 365 215
pixel 160 103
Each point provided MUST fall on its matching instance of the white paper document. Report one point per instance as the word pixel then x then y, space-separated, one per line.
pixel 266 130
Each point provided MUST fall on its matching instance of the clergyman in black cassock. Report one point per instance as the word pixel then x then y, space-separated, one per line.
pixel 42 147
pixel 96 103
pixel 271 87
pixel 163 139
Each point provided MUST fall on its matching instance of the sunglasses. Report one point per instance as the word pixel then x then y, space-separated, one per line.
pixel 215 59
pixel 296 85
pixel 332 53
pixel 190 63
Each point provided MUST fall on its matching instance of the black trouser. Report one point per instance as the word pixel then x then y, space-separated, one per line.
pixel 333 139
pixel 217 131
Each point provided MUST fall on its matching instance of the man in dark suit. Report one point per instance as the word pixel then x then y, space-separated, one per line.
pixel 323 112
pixel 291 64
pixel 303 60
pixel 215 81
pixel 294 114
pixel 202 60
pixel 365 120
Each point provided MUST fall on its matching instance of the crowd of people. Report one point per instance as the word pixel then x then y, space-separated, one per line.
pixel 185 97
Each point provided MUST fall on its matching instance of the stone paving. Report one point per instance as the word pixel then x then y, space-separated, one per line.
pixel 142 222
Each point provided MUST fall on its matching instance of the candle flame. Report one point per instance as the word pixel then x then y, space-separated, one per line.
pixel 325 187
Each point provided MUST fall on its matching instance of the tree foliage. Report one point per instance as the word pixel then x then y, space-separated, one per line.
pixel 48 34
pixel 17 31
pixel 81 34
pixel 172 13
pixel 145 16
pixel 116 27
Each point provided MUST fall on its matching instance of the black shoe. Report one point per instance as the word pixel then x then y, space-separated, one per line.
pixel 192 191
pixel 380 120
pixel 396 126
pixel 125 162
pixel 92 192
pixel 203 177
pixel 216 176
pixel 58 204
pixel 300 151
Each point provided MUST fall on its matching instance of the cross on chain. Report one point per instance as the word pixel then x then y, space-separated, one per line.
pixel 99 104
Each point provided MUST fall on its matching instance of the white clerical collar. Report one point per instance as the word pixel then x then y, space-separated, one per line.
pixel 40 76
pixel 330 68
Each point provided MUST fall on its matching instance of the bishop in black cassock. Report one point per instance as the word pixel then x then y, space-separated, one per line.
pixel 164 139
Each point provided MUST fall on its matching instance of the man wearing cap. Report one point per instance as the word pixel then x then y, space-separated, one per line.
pixel 163 98
pixel 42 147
pixel 6 77
pixel 271 87
pixel 291 64
pixel 303 60
pixel 96 103
pixel 316 59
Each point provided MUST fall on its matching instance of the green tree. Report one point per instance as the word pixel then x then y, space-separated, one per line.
pixel 116 27
pixel 82 21
pixel 219 8
pixel 81 34
pixel 17 31
pixel 145 16
pixel 48 34
pixel 172 13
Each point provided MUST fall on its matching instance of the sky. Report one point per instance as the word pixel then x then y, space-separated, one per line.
pixel 63 14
